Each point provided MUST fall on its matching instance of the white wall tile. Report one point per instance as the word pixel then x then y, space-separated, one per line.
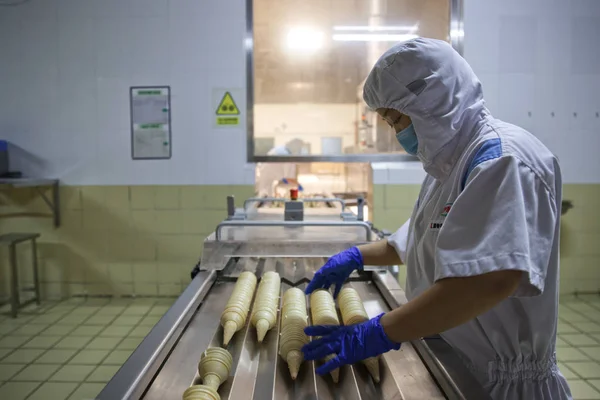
pixel 113 105
pixel 585 54
pixel 112 8
pixel 113 47
pixel 77 48
pixel 517 45
pixel 69 10
pixel 150 8
pixel 149 46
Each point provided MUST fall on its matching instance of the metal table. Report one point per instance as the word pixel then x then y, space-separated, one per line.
pixel 165 363
pixel 38 184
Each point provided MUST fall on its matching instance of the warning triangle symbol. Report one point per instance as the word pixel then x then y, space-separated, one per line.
pixel 227 106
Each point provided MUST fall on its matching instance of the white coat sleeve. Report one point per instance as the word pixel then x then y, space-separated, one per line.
pixel 504 219
pixel 399 241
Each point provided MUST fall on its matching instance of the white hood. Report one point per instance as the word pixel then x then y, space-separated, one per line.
pixel 430 82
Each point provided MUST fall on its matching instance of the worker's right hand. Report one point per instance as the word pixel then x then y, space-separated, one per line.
pixel 337 269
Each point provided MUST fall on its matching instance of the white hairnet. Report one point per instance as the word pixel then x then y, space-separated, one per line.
pixel 430 82
pixel 295 146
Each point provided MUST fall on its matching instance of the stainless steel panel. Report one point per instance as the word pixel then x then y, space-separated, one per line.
pixel 134 376
pixel 293 230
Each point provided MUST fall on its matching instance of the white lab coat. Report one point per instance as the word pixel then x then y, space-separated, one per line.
pixel 491 201
pixel 269 174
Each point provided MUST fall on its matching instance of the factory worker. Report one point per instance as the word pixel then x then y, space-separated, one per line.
pixel 269 175
pixel 481 246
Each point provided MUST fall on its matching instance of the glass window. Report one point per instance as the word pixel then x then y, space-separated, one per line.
pixel 311 58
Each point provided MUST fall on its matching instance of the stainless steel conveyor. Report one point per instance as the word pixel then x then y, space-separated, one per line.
pixel 165 363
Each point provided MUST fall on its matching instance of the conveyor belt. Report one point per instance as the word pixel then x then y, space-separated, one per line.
pixel 259 373
pixel 165 363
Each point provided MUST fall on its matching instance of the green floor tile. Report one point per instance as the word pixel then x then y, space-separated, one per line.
pixel 565 327
pixel 7 371
pixel 140 331
pixel 595 383
pixel 17 390
pixel 116 331
pixel 86 310
pixel 137 310
pixel 4 352
pixel 30 329
pixel 36 372
pixel 561 343
pixel 103 343
pixel 110 310
pixel 57 330
pixel 127 320
pixel 150 320
pixel 100 320
pixel 85 330
pixel 587 327
pixel 581 390
pixel 129 343
pixel 89 357
pixel 73 342
pixel 87 391
pixel 47 318
pixel 117 357
pixel 72 373
pixel 23 356
pixel 11 342
pixel 56 356
pixel 566 372
pixel 103 373
pixel 575 339
pixel 73 319
pixel 159 310
pixel 53 391
pixel 573 317
pixel 7 327
pixel 42 342
pixel 592 352
pixel 586 370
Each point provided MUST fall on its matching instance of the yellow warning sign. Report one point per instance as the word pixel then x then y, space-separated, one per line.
pixel 227 106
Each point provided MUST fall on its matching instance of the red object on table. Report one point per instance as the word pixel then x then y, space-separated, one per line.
pixel 294 194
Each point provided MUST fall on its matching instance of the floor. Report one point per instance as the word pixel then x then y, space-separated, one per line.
pixel 70 349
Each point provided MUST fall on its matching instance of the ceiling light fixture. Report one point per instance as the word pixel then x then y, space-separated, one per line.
pixel 377 28
pixel 368 37
pixel 305 39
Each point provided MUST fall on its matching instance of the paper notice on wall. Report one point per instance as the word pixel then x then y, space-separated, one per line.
pixel 151 141
pixel 150 122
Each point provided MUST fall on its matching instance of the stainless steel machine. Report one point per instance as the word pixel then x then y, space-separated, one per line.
pixel 257 240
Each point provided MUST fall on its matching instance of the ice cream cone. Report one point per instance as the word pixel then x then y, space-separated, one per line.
pixel 372 365
pixel 229 330
pixel 294 360
pixel 262 327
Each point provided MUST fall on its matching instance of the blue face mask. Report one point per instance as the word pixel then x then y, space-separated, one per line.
pixel 408 140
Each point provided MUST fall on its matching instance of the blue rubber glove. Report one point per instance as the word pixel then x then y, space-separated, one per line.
pixel 284 181
pixel 336 270
pixel 300 188
pixel 351 344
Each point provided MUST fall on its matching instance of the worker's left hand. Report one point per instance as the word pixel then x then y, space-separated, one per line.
pixel 350 344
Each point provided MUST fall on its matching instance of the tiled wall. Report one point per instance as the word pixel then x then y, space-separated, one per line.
pixel 580 236
pixel 120 240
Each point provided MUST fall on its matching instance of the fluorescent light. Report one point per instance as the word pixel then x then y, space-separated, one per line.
pixel 368 37
pixel 379 28
pixel 305 39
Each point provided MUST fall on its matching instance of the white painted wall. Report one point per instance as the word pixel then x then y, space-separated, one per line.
pixel 65 71
pixel 67 65
pixel 309 122
pixel 540 57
